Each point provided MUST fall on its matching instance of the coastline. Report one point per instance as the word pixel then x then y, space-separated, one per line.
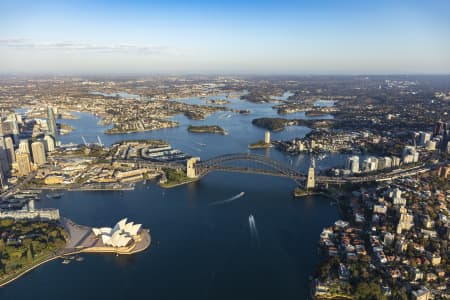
pixel 172 185
pixel 141 245
pixel 26 270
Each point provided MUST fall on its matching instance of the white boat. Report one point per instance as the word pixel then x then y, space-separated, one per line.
pixel 54 195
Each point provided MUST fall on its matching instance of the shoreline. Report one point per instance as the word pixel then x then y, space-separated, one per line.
pixel 168 186
pixel 25 271
pixel 138 246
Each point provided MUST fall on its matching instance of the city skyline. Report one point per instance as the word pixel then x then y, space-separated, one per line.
pixel 262 37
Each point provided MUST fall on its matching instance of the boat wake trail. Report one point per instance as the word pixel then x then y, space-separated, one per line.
pixel 253 230
pixel 229 199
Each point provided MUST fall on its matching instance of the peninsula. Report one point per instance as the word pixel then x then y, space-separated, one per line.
pixel 260 145
pixel 207 129
pixel 32 243
pixel 279 124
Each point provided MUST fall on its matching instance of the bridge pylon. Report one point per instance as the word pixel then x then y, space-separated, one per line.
pixel 191 170
pixel 310 180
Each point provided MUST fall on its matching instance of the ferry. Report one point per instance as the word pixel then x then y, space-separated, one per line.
pixel 54 195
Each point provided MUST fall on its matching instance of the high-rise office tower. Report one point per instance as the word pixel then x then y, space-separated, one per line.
pixel 49 143
pixel 2 179
pixel 23 163
pixel 352 164
pixel 439 127
pixel 38 150
pixel 12 127
pixel 370 164
pixel 52 124
pixel 424 137
pixel 11 155
pixel 24 146
pixel 3 156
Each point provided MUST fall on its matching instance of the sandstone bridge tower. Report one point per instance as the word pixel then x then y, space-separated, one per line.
pixel 191 170
pixel 310 180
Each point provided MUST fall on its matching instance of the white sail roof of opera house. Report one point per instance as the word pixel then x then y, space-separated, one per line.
pixel 118 236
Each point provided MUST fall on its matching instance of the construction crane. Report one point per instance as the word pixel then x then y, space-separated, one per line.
pixel 87 144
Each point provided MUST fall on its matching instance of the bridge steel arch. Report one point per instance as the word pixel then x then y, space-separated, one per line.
pixel 217 164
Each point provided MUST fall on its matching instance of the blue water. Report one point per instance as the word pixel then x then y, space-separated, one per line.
pixel 199 251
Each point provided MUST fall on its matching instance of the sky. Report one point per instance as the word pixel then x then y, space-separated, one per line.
pixel 225 37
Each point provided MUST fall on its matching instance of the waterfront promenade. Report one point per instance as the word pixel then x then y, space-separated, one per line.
pixel 82 240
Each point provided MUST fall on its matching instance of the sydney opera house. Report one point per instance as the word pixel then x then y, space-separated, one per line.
pixel 121 235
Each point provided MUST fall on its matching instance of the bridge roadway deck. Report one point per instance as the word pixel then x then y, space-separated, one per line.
pixel 278 168
pixel 319 179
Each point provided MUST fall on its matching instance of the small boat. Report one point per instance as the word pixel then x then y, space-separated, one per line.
pixel 79 258
pixel 66 262
pixel 54 195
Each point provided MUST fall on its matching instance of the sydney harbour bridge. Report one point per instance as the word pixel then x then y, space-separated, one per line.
pixel 259 164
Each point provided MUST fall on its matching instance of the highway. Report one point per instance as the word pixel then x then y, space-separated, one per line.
pixel 17 187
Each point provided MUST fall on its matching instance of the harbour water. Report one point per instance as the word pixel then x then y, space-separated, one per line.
pixel 199 250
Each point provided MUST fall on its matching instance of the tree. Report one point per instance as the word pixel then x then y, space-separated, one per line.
pixel 368 291
pixel 400 294
pixel 29 255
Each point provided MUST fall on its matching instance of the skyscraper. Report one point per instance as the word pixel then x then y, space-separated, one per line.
pixel 49 143
pixel 52 124
pixel 352 164
pixel 38 150
pixel 9 143
pixel 2 179
pixel 23 163
pixel 24 146
pixel 12 127
pixel 370 164
pixel 410 155
pixel 3 156
pixel 440 127
pixel 424 137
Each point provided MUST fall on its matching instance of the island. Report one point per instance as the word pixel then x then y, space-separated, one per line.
pixel 279 124
pixel 257 97
pixel 64 128
pixel 218 101
pixel 206 129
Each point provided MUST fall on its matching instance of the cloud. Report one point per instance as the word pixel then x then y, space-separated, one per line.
pixel 82 46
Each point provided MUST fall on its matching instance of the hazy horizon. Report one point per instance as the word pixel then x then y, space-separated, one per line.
pixel 232 38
